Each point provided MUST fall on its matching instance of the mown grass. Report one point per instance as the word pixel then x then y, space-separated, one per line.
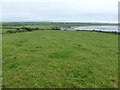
pixel 60 59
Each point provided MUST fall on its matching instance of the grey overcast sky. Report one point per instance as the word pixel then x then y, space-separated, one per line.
pixel 60 10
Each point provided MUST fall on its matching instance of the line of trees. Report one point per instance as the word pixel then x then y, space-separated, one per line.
pixel 23 29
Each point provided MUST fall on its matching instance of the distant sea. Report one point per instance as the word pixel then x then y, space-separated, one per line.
pixel 98 28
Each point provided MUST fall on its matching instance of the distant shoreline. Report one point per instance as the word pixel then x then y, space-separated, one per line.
pixel 58 22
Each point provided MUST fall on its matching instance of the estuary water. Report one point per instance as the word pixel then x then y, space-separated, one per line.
pixel 97 28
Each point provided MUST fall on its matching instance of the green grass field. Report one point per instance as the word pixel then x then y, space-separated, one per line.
pixel 60 59
pixel 0 57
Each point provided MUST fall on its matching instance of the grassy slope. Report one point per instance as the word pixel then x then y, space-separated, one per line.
pixel 60 59
pixel 0 55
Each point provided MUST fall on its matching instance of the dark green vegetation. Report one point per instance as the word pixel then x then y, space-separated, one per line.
pixel 49 59
pixel 8 25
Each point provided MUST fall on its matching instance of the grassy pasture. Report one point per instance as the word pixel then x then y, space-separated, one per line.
pixel 60 59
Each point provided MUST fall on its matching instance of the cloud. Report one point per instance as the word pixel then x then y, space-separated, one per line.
pixel 61 10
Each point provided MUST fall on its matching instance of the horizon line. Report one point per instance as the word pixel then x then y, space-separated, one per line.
pixel 59 22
